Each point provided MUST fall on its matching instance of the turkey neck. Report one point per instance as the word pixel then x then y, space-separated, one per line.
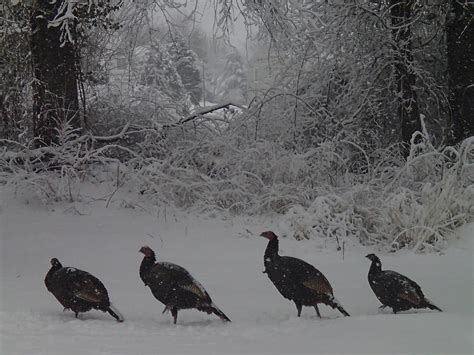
pixel 375 267
pixel 51 272
pixel 146 265
pixel 271 253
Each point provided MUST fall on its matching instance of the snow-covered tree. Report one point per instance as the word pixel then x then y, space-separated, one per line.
pixel 186 64
pixel 157 70
pixel 460 49
pixel 57 30
pixel 363 71
pixel 232 83
pixel 15 73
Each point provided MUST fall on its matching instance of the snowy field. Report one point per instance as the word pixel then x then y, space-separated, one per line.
pixel 226 256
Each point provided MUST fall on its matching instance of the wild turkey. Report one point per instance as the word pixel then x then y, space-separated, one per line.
pixel 297 280
pixel 395 290
pixel 174 286
pixel 78 290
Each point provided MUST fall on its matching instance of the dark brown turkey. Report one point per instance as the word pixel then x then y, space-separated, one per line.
pixel 174 286
pixel 395 290
pixel 78 290
pixel 297 280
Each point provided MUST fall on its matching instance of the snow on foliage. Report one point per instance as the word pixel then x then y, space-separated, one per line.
pixel 185 61
pixel 416 206
pixel 232 82
pixel 313 144
pixel 388 202
pixel 149 92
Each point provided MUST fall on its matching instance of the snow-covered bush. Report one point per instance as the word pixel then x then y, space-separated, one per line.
pixel 430 196
pixel 149 93
pixel 56 173
pixel 416 205
pixel 334 191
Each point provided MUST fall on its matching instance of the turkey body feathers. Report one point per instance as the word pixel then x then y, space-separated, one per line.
pixel 395 290
pixel 297 280
pixel 78 290
pixel 389 286
pixel 171 284
pixel 174 286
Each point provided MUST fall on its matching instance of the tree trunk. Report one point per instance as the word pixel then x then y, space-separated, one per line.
pixel 460 47
pixel 55 92
pixel 408 112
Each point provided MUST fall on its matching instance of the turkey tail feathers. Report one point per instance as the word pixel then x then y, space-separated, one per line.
pixel 432 306
pixel 214 309
pixel 114 312
pixel 334 303
pixel 342 310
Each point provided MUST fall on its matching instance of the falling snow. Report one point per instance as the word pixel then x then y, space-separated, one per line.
pixel 32 322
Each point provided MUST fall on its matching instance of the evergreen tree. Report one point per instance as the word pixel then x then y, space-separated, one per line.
pixel 232 83
pixel 199 43
pixel 187 67
pixel 157 70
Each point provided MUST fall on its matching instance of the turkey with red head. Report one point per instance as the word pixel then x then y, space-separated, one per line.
pixel 174 286
pixel 297 280
pixel 395 290
pixel 78 290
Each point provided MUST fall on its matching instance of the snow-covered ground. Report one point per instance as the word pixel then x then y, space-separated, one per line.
pixel 226 256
